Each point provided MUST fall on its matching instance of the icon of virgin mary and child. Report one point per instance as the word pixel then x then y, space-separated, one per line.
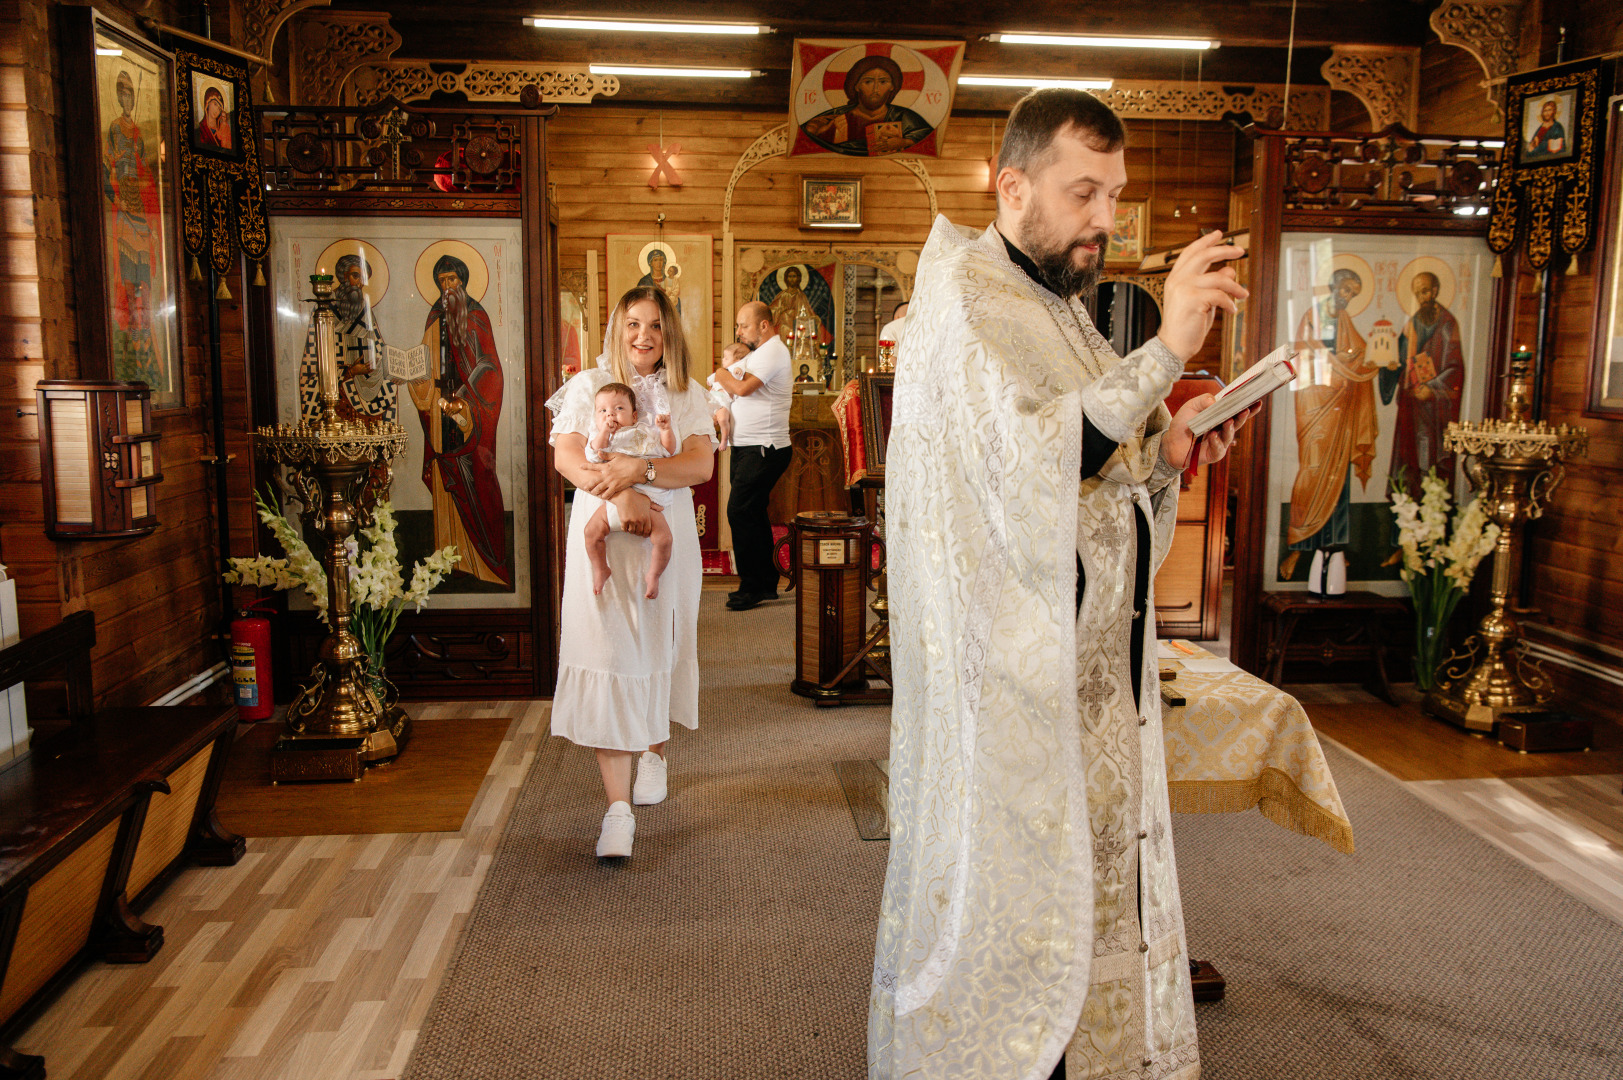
pixel 868 124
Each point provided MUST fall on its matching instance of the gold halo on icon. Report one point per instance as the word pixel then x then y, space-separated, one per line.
pixel 478 272
pixel 1431 264
pixel 902 56
pixel 803 269
pixel 671 265
pixel 1366 277
pixel 376 284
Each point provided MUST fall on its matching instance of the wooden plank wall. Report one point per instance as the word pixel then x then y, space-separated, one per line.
pixel 600 164
pixel 1452 98
pixel 1576 550
pixel 1577 580
pixel 155 597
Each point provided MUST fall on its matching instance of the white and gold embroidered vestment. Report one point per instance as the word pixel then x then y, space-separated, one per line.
pixel 1031 901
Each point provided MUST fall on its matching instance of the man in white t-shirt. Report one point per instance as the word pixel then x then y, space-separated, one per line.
pixel 757 372
pixel 892 331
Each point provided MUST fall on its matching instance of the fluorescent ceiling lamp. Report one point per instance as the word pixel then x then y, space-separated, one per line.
pixel 834 225
pixel 673 73
pixel 1033 83
pixel 109 52
pixel 1100 41
pixel 545 22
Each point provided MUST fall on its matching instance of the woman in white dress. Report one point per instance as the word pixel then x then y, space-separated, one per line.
pixel 629 666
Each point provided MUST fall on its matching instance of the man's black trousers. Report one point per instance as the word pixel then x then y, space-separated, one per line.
pixel 755 470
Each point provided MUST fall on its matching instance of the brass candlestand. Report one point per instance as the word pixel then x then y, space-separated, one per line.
pixel 338 720
pixel 1514 464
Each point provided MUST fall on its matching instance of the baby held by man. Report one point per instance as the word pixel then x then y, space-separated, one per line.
pixel 616 429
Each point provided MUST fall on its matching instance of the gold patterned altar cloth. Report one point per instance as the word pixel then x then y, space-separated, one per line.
pixel 1240 742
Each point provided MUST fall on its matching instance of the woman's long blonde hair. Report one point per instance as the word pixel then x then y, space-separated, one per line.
pixel 675 357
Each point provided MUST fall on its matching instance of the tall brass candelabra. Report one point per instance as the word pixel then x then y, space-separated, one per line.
pixel 1514 464
pixel 343 715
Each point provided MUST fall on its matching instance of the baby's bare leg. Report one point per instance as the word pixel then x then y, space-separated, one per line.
pixel 661 557
pixel 597 547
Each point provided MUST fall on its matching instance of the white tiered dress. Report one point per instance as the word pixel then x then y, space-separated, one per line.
pixel 629 666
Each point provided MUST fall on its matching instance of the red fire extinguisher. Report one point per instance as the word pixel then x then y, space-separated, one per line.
pixel 251 664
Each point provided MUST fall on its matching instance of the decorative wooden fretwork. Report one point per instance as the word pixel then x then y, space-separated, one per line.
pixel 262 20
pixel 416 80
pixel 1145 99
pixel 327 45
pixel 1385 78
pixel 1390 179
pixel 396 153
pixel 1491 31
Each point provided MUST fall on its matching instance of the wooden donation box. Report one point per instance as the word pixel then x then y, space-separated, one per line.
pixel 831 576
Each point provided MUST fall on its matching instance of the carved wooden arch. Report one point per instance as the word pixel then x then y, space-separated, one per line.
pixel 775 143
pixel 1154 284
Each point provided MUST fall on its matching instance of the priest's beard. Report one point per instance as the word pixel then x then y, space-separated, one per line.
pixel 349 304
pixel 1056 257
pixel 456 318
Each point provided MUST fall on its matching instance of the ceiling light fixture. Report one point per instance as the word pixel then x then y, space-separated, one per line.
pixel 1104 42
pixel 1022 82
pixel 672 72
pixel 547 22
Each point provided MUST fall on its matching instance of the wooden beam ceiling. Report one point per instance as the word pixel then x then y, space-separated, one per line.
pixel 1253 33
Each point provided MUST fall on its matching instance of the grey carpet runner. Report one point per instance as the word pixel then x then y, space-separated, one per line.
pixel 738 942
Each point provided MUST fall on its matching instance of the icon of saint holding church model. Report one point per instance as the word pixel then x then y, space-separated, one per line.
pixel 459 401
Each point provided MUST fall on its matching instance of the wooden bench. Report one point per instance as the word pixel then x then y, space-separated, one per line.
pixel 93 823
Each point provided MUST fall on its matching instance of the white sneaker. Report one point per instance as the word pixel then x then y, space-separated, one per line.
pixel 650 787
pixel 619 826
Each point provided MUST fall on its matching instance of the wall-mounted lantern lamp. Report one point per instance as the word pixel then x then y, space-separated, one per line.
pixel 98 459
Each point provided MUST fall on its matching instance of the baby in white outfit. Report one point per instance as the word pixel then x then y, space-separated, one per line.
pixel 615 429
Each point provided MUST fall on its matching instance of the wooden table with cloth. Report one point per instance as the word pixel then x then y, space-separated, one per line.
pixel 1238 742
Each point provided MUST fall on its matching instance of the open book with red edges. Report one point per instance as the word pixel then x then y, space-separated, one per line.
pixel 1276 370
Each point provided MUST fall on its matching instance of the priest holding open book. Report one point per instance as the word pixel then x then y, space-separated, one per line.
pixel 1031 925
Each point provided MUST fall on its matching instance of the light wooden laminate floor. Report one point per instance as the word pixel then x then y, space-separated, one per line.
pixel 314 958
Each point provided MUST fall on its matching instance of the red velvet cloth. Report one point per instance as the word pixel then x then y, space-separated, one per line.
pixel 848 415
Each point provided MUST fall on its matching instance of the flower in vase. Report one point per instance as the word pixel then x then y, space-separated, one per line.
pixel 377 586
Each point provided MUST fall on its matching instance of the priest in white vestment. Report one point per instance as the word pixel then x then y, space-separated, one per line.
pixel 1031 924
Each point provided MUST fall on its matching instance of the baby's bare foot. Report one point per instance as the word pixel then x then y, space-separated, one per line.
pixel 599 576
pixel 653 587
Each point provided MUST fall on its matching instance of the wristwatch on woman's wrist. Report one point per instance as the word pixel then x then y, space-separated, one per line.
pixel 648 471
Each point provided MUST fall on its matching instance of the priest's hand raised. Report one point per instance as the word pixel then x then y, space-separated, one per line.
pixel 1177 444
pixel 1199 284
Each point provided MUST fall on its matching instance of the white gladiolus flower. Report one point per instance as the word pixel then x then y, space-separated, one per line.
pixel 377 588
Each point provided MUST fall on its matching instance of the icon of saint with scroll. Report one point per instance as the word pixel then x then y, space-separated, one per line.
pixel 460 405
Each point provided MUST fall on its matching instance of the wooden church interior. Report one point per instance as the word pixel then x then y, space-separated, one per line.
pixel 187 890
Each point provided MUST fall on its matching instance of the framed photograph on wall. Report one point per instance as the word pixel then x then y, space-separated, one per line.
pixel 124 200
pixel 831 202
pixel 1605 396
pixel 678 263
pixel 1392 335
pixel 1131 236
